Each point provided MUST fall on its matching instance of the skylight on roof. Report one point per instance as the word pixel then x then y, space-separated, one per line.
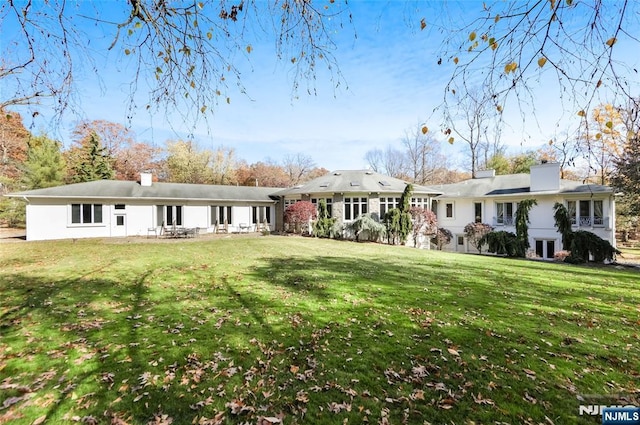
pixel 384 183
pixel 355 183
pixel 324 184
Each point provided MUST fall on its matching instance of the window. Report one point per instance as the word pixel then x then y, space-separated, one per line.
pixel 449 209
pixel 289 202
pixel 388 203
pixel 353 207
pixel 460 240
pixel 545 248
pixel 169 215
pixel 328 202
pixel 86 213
pixel 420 202
pixel 586 213
pixel 260 214
pixel 477 211
pixel 119 206
pixel 220 214
pixel 119 220
pixel 504 213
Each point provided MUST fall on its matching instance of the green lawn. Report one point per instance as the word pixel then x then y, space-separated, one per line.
pixel 263 329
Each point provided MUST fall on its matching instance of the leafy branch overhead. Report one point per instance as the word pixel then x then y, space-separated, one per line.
pixel 516 46
pixel 183 54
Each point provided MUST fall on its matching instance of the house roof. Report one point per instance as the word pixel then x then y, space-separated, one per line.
pixel 345 181
pixel 112 189
pixel 512 184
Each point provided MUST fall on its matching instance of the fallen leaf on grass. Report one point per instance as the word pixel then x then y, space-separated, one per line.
pixel 480 400
pixel 453 352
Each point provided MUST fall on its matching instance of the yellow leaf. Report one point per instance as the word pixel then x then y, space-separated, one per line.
pixel 494 45
pixel 209 35
pixel 609 125
pixel 455 60
pixel 497 18
pixel 423 24
pixel 203 109
pixel 193 85
pixel 249 48
pixel 499 108
pixel 542 61
pixel 201 5
pixel 425 129
pixel 550 142
pixel 581 113
pixel 472 36
pixel 451 139
pixel 611 41
pixel 631 135
pixel 127 51
pixel 598 136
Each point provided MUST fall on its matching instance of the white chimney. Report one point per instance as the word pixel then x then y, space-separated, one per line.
pixel 485 174
pixel 545 177
pixel 146 179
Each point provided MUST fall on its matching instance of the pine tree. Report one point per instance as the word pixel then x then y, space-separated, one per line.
pixel 44 166
pixel 626 178
pixel 90 162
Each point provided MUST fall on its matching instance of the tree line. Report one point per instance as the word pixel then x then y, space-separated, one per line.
pixel 105 150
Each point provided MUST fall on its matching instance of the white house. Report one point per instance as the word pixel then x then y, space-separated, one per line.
pixel 108 208
pixel 493 200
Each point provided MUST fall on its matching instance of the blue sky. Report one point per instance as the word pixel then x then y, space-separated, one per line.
pixel 392 85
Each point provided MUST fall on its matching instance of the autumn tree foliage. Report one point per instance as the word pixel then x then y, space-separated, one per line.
pixel 424 223
pixel 299 215
pixel 13 144
pixel 443 237
pixel 602 141
pixel 130 157
pixel 475 232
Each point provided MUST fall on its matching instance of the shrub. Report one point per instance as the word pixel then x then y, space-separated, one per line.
pixel 561 255
pixel 443 237
pixel 501 243
pixel 298 215
pixel 365 223
pixel 323 226
pixel 586 245
pixel 424 223
pixel 475 232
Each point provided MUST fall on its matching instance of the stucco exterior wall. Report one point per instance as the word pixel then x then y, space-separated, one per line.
pixel 542 223
pixel 51 219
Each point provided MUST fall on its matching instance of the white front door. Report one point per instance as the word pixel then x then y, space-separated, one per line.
pixel 119 225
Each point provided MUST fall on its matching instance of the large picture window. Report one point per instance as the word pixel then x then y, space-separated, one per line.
pixel 169 215
pixel 260 214
pixel 387 204
pixel 220 214
pixel 353 207
pixel 504 213
pixel 86 213
pixel 586 213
